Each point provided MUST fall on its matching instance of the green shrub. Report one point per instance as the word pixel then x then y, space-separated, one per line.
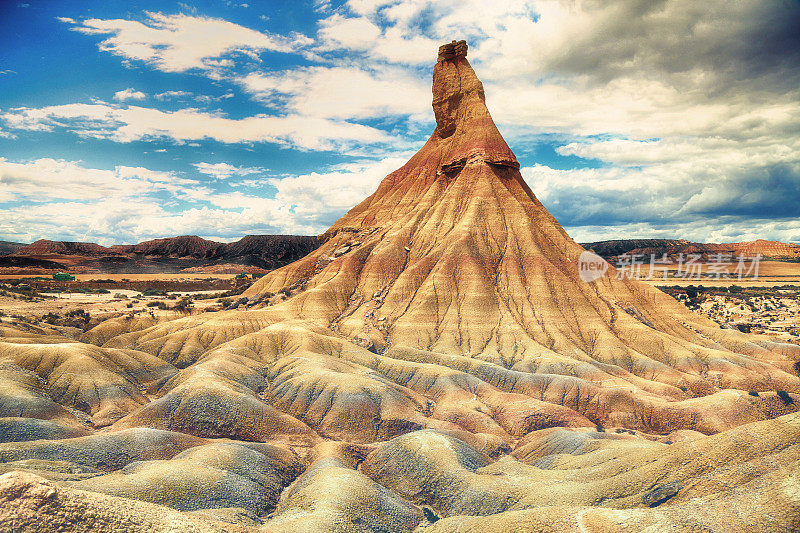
pixel 784 396
pixel 152 292
pixel 430 516
pixel 183 305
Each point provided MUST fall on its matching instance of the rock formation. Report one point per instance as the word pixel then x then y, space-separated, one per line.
pixel 251 253
pixel 438 356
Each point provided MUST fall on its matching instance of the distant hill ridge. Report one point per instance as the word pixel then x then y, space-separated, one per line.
pixel 8 247
pixel 671 247
pixel 273 251
pixel 47 247
pixel 181 246
pixel 166 254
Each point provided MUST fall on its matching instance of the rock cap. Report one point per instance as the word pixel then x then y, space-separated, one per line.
pixel 453 50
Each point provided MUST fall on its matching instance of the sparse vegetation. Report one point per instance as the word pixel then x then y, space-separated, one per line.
pixel 184 305
pixel 430 516
pixel 153 292
pixel 785 398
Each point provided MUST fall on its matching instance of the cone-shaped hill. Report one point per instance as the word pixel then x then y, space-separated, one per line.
pixel 453 255
pixel 438 350
pixel 454 268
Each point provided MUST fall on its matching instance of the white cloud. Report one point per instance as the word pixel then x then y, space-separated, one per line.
pixel 169 95
pixel 352 33
pixel 129 94
pixel 223 171
pixel 321 197
pixel 133 123
pixel 720 230
pixel 178 43
pixel 66 200
pixel 342 92
pixel 396 43
pixel 45 180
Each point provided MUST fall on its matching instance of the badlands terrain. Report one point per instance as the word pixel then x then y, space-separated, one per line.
pixel 437 364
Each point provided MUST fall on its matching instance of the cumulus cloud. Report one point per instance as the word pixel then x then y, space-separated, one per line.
pixel 675 196
pixel 319 198
pixel 353 33
pixel 45 180
pixel 723 229
pixel 169 95
pixel 223 171
pixel 133 123
pixel 129 94
pixel 179 43
pixel 67 200
pixel 341 92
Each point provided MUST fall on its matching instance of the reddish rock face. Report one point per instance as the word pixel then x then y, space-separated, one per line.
pixel 464 127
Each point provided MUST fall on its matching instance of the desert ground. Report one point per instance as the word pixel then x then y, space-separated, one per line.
pixel 437 364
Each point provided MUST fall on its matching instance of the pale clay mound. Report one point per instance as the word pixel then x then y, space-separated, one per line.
pixel 437 356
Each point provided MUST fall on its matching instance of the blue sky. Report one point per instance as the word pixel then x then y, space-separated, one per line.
pixel 125 121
